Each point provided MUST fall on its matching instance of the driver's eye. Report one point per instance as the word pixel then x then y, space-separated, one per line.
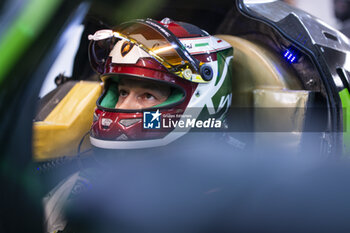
pixel 149 96
pixel 123 93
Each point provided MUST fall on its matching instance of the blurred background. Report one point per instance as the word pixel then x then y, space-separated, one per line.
pixel 336 13
pixel 322 9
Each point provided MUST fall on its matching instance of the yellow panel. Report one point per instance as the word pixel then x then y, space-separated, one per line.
pixel 62 130
pixel 285 110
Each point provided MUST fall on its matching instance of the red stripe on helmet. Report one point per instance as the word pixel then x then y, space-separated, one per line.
pixel 179 31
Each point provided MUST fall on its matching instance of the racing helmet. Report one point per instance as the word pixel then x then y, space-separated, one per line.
pixel 195 65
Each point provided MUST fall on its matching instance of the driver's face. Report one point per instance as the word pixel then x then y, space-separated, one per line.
pixel 137 94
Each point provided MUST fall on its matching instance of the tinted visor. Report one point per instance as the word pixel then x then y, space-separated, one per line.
pixel 153 38
pixel 159 41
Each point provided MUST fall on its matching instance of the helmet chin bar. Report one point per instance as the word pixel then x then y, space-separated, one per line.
pixel 141 144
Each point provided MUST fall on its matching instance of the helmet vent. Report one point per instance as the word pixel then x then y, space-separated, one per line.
pixel 122 137
pixel 129 122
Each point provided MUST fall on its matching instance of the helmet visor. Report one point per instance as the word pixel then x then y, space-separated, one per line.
pixel 153 38
pixel 154 41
